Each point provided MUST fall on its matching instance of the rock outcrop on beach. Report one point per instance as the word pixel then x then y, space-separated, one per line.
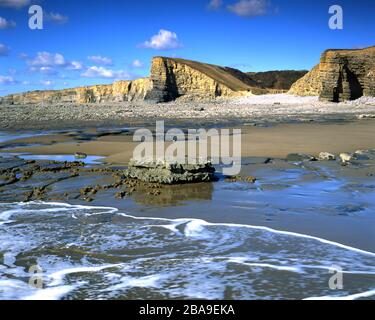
pixel 169 172
pixel 341 75
pixel 170 79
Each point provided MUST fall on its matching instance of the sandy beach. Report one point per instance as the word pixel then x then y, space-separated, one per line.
pixel 276 141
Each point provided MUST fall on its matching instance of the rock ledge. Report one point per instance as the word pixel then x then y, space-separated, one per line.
pixel 169 172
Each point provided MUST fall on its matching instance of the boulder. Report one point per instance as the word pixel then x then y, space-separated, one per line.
pixel 80 155
pixel 346 157
pixel 326 156
pixel 169 172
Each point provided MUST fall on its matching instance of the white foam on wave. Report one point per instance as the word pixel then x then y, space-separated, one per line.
pixel 16 289
pixel 61 207
pixel 356 296
pixel 298 268
pixel 151 281
pixel 5 215
pixel 57 278
pixel 241 260
pixel 195 226
pixel 6 222
pixel 10 284
pixel 54 293
pixel 57 289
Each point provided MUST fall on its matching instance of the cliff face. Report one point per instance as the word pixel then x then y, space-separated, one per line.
pixel 341 75
pixel 173 78
pixel 346 74
pixel 169 79
pixel 308 85
pixel 116 92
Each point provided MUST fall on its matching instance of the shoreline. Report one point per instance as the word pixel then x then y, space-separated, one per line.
pixel 322 194
pixel 116 146
pixel 267 109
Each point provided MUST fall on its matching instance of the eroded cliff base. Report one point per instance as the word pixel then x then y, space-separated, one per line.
pixel 341 75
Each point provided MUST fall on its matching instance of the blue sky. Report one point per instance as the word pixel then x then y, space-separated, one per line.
pixel 91 42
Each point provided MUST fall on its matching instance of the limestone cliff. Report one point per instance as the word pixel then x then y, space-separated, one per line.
pixel 341 75
pixel 174 78
pixel 308 85
pixel 169 79
pixel 116 92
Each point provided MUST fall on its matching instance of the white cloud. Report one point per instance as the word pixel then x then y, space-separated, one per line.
pixel 4 50
pixel 46 59
pixel 14 3
pixel 6 80
pixel 101 72
pixel 164 40
pixel 249 8
pixel 56 17
pixel 137 64
pixel 48 63
pixel 44 70
pixel 215 4
pixel 6 24
pixel 75 65
pixel 100 60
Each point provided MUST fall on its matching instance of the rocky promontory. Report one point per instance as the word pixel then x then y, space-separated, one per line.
pixel 341 75
pixel 170 78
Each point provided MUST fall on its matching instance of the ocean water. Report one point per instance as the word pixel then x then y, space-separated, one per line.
pixel 86 252
pixel 62 158
pixel 5 136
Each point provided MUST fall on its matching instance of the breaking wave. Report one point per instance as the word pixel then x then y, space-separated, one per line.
pixel 87 252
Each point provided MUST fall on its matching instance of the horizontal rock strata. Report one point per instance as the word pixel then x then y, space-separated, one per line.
pixel 169 79
pixel 166 172
pixel 341 75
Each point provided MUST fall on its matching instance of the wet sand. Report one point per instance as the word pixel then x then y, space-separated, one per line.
pixel 273 142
